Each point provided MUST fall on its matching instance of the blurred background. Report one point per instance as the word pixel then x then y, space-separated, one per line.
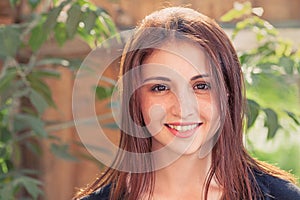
pixel 43 42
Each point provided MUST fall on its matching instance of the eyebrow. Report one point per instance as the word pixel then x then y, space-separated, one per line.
pixel 199 76
pixel 161 78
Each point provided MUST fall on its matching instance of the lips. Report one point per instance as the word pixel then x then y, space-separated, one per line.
pixel 183 130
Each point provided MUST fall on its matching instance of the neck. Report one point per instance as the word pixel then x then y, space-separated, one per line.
pixel 186 169
pixel 184 176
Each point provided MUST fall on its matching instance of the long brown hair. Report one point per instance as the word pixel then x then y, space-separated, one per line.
pixel 231 165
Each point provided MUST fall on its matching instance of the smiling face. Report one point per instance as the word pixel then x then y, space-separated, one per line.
pixel 176 98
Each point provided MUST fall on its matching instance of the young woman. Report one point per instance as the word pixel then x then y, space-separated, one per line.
pixel 182 119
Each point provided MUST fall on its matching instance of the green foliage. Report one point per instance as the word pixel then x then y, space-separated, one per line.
pixel 271 122
pixel 103 92
pixel 31 185
pixel 9 41
pixel 280 154
pixel 237 12
pixel 83 18
pixel 252 112
pixel 271 70
pixel 24 94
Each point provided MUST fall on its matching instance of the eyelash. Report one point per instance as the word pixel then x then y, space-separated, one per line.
pixel 159 88
pixel 198 86
pixel 204 86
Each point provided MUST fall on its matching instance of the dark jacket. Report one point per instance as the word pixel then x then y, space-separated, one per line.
pixel 273 188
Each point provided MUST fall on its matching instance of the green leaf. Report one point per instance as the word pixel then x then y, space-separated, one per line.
pixel 3 152
pixel 60 33
pixel 271 122
pixel 101 27
pixel 5 135
pixel 87 37
pixel 55 2
pixel 31 185
pixel 25 121
pixel 46 73
pixel 103 92
pixel 7 78
pixel 34 3
pixel 42 88
pixel 252 112
pixel 241 25
pixel 38 101
pixel 37 37
pixel 110 23
pixel 5 167
pixel 9 41
pixel 7 192
pixel 262 90
pixel 89 21
pixel 237 12
pixel 293 116
pixel 84 3
pixel 62 151
pixel 51 20
pixel 288 64
pixel 74 17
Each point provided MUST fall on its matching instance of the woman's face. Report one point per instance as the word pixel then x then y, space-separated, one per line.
pixel 176 98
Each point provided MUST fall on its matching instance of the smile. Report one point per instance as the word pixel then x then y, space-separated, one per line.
pixel 183 130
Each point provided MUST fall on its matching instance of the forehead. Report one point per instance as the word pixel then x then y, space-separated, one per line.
pixel 184 58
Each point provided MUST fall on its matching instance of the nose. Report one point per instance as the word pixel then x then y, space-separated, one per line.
pixel 185 104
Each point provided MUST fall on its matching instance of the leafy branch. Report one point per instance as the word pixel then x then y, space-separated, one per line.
pixel 24 93
pixel 271 70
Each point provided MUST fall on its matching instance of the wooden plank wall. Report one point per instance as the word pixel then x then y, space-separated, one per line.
pixel 128 12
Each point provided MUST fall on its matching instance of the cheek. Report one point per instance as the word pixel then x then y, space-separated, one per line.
pixel 154 114
pixel 208 109
pixel 153 111
pixel 209 112
pixel 145 106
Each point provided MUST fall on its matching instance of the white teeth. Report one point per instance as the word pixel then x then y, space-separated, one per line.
pixel 183 128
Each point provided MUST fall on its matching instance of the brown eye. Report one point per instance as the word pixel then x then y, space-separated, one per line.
pixel 159 88
pixel 202 86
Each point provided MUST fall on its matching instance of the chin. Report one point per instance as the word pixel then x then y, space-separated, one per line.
pixel 185 149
